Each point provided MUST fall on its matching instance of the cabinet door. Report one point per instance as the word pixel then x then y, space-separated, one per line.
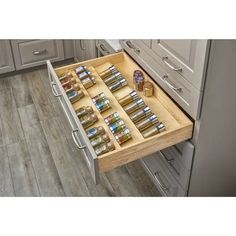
pixel 84 49
pixel 6 59
pixel 183 56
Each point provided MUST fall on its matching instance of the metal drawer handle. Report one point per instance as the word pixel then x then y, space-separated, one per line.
pixel 130 45
pixel 158 179
pixel 75 140
pixel 177 89
pixel 103 48
pixel 165 59
pixel 170 162
pixel 53 85
pixel 82 44
pixel 37 53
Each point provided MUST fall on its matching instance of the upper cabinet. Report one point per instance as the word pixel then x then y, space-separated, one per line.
pixel 84 49
pixel 6 59
pixel 183 57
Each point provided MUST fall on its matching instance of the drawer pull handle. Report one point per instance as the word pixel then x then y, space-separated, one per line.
pixel 158 179
pixel 75 140
pixel 82 44
pixel 53 85
pixel 103 48
pixel 130 45
pixel 165 59
pixel 37 53
pixel 170 162
pixel 173 87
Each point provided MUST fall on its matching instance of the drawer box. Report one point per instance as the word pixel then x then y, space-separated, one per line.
pixel 161 176
pixel 179 126
pixel 28 53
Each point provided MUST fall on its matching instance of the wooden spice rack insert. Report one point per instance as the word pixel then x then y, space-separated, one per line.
pixel 178 126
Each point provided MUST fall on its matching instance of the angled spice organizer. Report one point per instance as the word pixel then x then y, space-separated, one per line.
pixel 178 125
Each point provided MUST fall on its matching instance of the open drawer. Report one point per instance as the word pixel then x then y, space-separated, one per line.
pixel 178 125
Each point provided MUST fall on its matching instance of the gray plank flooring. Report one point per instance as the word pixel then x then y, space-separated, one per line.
pixel 37 154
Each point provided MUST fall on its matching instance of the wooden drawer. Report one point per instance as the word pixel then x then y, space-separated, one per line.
pixel 178 126
pixel 185 94
pixel 161 176
pixel 28 53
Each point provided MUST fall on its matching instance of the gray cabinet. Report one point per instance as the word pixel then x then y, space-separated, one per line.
pixel 6 59
pixel 183 57
pixel 84 49
pixel 29 53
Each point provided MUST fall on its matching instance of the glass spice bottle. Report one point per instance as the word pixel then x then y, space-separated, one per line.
pixel 92 132
pixel 104 148
pixel 99 139
pixel 83 111
pixel 88 120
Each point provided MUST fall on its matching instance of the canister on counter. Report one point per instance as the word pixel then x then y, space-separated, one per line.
pixel 84 111
pixel 99 139
pixel 84 74
pixel 75 96
pixel 123 136
pixel 113 78
pixel 154 130
pixel 103 105
pixel 134 106
pixel 92 132
pixel 140 114
pixel 100 97
pixel 132 96
pixel 109 71
pixel 118 85
pixel 117 126
pixel 104 148
pixel 88 120
pixel 147 122
pixel 88 82
pixel 148 89
pixel 112 118
pixel 80 69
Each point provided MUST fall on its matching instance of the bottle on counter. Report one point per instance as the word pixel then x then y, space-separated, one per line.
pixel 99 139
pixel 140 114
pixel 104 148
pixel 92 132
pixel 88 120
pixel 147 122
pixel 132 96
pixel 134 106
pixel 109 71
pixel 84 111
pixel 154 130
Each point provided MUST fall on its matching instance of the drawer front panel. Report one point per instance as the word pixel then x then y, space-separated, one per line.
pixel 36 52
pixel 78 134
pixel 161 176
pixel 6 59
pixel 104 47
pixel 187 96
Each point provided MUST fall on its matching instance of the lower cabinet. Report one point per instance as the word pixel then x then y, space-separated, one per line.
pixel 178 125
pixel 6 59
pixel 29 53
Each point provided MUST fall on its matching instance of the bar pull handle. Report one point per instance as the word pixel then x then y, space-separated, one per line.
pixel 170 64
pixel 160 182
pixel 130 45
pixel 173 87
pixel 170 162
pixel 53 85
pixel 82 44
pixel 37 53
pixel 103 48
pixel 79 146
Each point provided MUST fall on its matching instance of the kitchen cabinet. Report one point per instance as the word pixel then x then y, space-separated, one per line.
pixel 6 59
pixel 178 125
pixel 29 53
pixel 84 49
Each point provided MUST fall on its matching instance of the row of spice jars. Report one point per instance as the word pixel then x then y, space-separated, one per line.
pixel 86 116
pixel 141 115
pixel 85 76
pixel 113 78
pixel 71 87
pixel 101 102
pixel 99 140
pixel 118 128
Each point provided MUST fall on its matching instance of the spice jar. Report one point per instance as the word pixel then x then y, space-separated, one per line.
pixel 148 89
pixel 92 132
pixel 83 111
pixel 88 120
pixel 99 139
pixel 104 148
pixel 88 82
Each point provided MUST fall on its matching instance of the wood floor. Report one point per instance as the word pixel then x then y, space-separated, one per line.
pixel 37 155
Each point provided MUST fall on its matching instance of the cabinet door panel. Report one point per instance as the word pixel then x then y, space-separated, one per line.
pixel 6 59
pixel 84 49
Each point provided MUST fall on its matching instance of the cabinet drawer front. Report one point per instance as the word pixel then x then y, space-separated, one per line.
pixel 187 96
pixel 78 134
pixel 6 59
pixel 183 57
pixel 178 126
pixel 104 47
pixel 36 52
pixel 161 176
